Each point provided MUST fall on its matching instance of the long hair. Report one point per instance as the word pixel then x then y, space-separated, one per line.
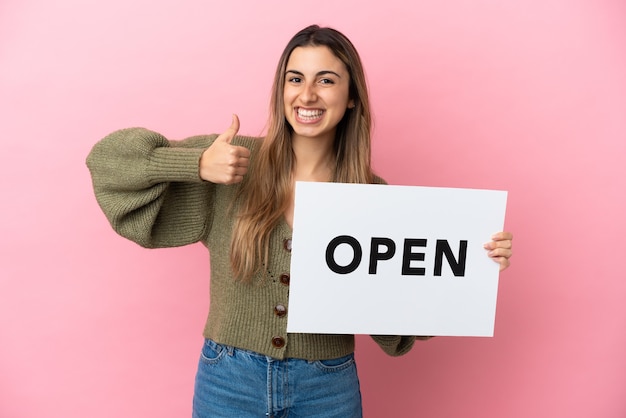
pixel 265 192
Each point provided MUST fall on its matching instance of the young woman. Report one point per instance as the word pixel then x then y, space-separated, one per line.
pixel 236 195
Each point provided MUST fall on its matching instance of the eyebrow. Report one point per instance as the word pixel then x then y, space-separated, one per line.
pixel 319 73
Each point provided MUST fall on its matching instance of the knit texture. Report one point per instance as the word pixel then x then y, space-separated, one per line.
pixel 150 190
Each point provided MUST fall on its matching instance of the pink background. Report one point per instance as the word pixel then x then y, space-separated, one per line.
pixel 526 95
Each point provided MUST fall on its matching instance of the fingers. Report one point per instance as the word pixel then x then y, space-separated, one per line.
pixel 500 249
pixel 502 236
pixel 500 252
pixel 501 256
pixel 222 162
pixel 236 166
pixel 500 240
pixel 492 245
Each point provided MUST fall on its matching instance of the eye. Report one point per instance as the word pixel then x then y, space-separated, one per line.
pixel 294 79
pixel 326 81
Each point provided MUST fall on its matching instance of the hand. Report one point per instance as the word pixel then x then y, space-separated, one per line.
pixel 500 248
pixel 222 162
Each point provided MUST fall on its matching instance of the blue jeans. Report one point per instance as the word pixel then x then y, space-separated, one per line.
pixel 232 382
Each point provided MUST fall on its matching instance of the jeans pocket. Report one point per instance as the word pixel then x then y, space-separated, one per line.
pixel 335 364
pixel 212 352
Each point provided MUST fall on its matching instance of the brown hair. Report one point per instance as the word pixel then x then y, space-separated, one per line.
pixel 265 194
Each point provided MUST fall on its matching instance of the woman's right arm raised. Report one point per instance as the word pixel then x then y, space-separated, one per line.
pixel 150 189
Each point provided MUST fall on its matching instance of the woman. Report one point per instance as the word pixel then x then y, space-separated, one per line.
pixel 236 195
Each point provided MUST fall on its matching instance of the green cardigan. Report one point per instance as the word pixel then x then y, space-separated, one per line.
pixel 150 190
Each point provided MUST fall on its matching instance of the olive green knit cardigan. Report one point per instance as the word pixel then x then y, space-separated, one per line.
pixel 150 190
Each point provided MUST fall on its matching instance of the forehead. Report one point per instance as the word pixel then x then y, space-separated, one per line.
pixel 314 59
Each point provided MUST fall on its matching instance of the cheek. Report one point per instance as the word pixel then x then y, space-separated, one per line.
pixel 289 94
pixel 341 98
pixel 286 101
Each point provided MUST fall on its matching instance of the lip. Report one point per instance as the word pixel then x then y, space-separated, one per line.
pixel 315 115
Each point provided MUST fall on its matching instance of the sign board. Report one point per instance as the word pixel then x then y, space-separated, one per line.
pixel 393 260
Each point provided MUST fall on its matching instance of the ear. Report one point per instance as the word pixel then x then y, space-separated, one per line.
pixel 351 104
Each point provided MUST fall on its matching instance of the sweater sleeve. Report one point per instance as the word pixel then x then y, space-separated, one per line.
pixel 149 188
pixel 396 345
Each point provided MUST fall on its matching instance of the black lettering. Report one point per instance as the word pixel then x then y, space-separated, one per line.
pixel 443 248
pixel 330 254
pixel 375 255
pixel 409 256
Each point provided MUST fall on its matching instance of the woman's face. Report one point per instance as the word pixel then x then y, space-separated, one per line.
pixel 316 92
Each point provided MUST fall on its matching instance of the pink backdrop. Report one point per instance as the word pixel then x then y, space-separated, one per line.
pixel 523 95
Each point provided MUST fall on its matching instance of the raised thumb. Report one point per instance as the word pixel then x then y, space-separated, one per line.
pixel 229 134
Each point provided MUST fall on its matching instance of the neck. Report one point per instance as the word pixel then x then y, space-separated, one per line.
pixel 314 159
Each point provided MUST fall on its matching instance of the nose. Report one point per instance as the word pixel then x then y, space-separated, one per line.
pixel 308 94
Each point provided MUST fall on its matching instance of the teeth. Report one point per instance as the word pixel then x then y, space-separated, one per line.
pixel 306 113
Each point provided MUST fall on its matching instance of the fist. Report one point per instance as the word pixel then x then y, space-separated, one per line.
pixel 222 162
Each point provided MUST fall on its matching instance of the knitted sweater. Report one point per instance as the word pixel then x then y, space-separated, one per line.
pixel 150 190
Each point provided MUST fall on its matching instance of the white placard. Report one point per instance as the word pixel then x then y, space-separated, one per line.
pixel 422 270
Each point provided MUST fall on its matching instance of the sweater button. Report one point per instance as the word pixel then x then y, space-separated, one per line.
pixel 280 310
pixel 287 244
pixel 284 279
pixel 278 342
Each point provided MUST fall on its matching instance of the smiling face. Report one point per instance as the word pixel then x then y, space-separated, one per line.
pixel 316 92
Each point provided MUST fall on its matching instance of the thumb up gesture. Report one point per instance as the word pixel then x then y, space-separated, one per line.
pixel 222 162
